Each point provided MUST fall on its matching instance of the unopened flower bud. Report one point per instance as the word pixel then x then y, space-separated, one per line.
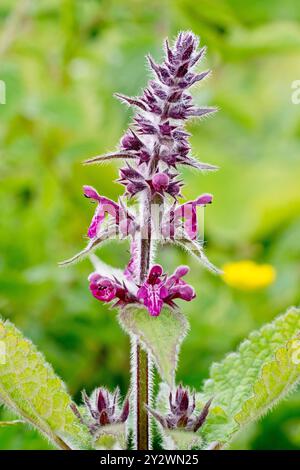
pixel 160 182
pixel 181 414
pixel 204 199
pixel 102 408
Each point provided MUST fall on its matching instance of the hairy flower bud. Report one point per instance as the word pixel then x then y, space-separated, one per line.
pixel 181 413
pixel 102 408
pixel 160 182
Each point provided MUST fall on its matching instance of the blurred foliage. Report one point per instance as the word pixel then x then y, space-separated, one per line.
pixel 61 61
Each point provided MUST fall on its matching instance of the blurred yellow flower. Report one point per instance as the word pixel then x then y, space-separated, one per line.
pixel 248 275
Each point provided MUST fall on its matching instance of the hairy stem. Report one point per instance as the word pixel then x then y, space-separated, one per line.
pixel 141 367
pixel 142 398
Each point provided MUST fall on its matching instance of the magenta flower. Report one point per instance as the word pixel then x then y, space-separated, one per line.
pixel 102 287
pixel 106 289
pixel 177 288
pixel 159 289
pixel 164 182
pixel 121 217
pixel 153 292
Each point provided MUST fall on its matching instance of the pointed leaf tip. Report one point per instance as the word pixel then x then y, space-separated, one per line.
pixel 161 335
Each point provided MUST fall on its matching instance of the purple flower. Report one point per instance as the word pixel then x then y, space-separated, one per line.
pixel 188 212
pixel 121 217
pixel 181 414
pixel 102 408
pixel 102 287
pixel 177 288
pixel 159 289
pixel 153 292
pixel 105 289
pixel 105 206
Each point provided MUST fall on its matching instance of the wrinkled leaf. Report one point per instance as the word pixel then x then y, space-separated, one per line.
pixel 30 388
pixel 263 360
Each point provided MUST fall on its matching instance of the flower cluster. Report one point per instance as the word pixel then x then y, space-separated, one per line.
pixel 101 409
pixel 157 290
pixel 181 414
pixel 153 148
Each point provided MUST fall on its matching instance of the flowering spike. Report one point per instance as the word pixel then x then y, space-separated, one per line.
pixel 156 144
pixel 105 206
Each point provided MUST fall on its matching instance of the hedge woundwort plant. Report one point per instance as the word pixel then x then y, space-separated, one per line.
pixel 153 148
pixel 241 387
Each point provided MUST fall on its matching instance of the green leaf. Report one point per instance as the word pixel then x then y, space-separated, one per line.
pixel 259 374
pixel 30 388
pixel 11 423
pixel 161 336
pixel 278 378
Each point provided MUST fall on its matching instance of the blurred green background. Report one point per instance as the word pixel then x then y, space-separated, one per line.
pixel 61 61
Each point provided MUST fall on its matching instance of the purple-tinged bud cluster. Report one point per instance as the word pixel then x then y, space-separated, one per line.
pixel 159 133
pixel 102 408
pixel 182 412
